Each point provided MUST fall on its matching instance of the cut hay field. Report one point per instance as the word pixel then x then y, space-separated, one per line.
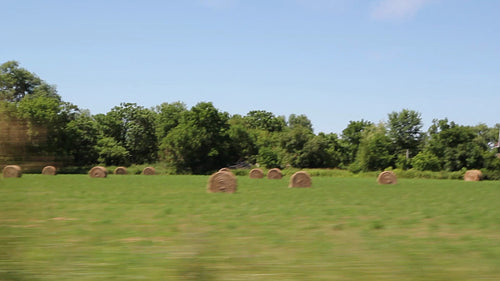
pixel 73 227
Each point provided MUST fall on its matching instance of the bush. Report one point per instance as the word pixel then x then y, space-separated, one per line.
pixel 269 158
pixel 241 172
pixel 426 161
pixel 414 173
pixel 403 163
pixel 491 174
pixel 355 167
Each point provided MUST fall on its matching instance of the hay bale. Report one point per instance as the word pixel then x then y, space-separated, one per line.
pixel 98 172
pixel 222 182
pixel 225 170
pixel 300 179
pixel 274 174
pixel 120 171
pixel 12 171
pixel 49 170
pixel 473 175
pixel 387 177
pixel 256 173
pixel 149 171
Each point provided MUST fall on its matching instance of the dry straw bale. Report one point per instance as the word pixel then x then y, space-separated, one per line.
pixel 256 173
pixel 222 182
pixel 300 179
pixel 274 174
pixel 225 170
pixel 473 175
pixel 12 171
pixel 149 171
pixel 49 170
pixel 120 171
pixel 387 177
pixel 98 172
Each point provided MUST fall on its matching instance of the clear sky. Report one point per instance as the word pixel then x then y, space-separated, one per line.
pixel 332 60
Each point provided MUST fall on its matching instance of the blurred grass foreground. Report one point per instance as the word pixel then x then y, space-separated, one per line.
pixel 73 227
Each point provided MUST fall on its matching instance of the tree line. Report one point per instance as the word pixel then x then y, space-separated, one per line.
pixel 35 123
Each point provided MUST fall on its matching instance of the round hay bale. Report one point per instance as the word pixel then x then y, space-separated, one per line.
pixel 300 179
pixel 49 170
pixel 274 174
pixel 222 182
pixel 473 175
pixel 120 171
pixel 12 171
pixel 387 177
pixel 149 171
pixel 256 173
pixel 98 172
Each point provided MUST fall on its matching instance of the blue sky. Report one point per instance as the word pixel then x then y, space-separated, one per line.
pixel 332 60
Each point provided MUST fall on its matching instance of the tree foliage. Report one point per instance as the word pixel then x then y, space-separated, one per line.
pixel 405 131
pixel 111 152
pixel 168 116
pixel 321 151
pixel 82 137
pixel 456 146
pixel 16 83
pixel 351 138
pixel 375 150
pixel 200 142
pixel 295 121
pixel 264 120
pixel 134 128
pixel 37 125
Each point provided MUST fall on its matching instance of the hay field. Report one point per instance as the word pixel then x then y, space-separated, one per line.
pixel 73 227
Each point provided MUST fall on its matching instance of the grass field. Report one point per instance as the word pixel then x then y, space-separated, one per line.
pixel 72 227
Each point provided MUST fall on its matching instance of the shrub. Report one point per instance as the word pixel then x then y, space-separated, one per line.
pixel 426 161
pixel 268 157
pixel 491 174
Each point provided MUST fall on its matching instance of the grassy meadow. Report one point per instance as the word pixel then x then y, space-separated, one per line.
pixel 73 227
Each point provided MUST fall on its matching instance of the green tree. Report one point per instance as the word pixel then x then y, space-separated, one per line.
pixel 39 111
pixel 295 121
pixel 243 142
pixel 168 118
pixel 82 136
pixel 17 82
pixel 47 118
pixel 13 134
pixel 111 152
pixel 293 140
pixel 351 138
pixel 426 161
pixel 486 137
pixel 264 120
pixel 200 143
pixel 134 128
pixel 321 151
pixel 456 146
pixel 292 143
pixel 269 157
pixel 269 144
pixel 405 131
pixel 375 150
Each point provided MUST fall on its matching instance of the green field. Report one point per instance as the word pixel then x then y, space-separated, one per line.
pixel 72 227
